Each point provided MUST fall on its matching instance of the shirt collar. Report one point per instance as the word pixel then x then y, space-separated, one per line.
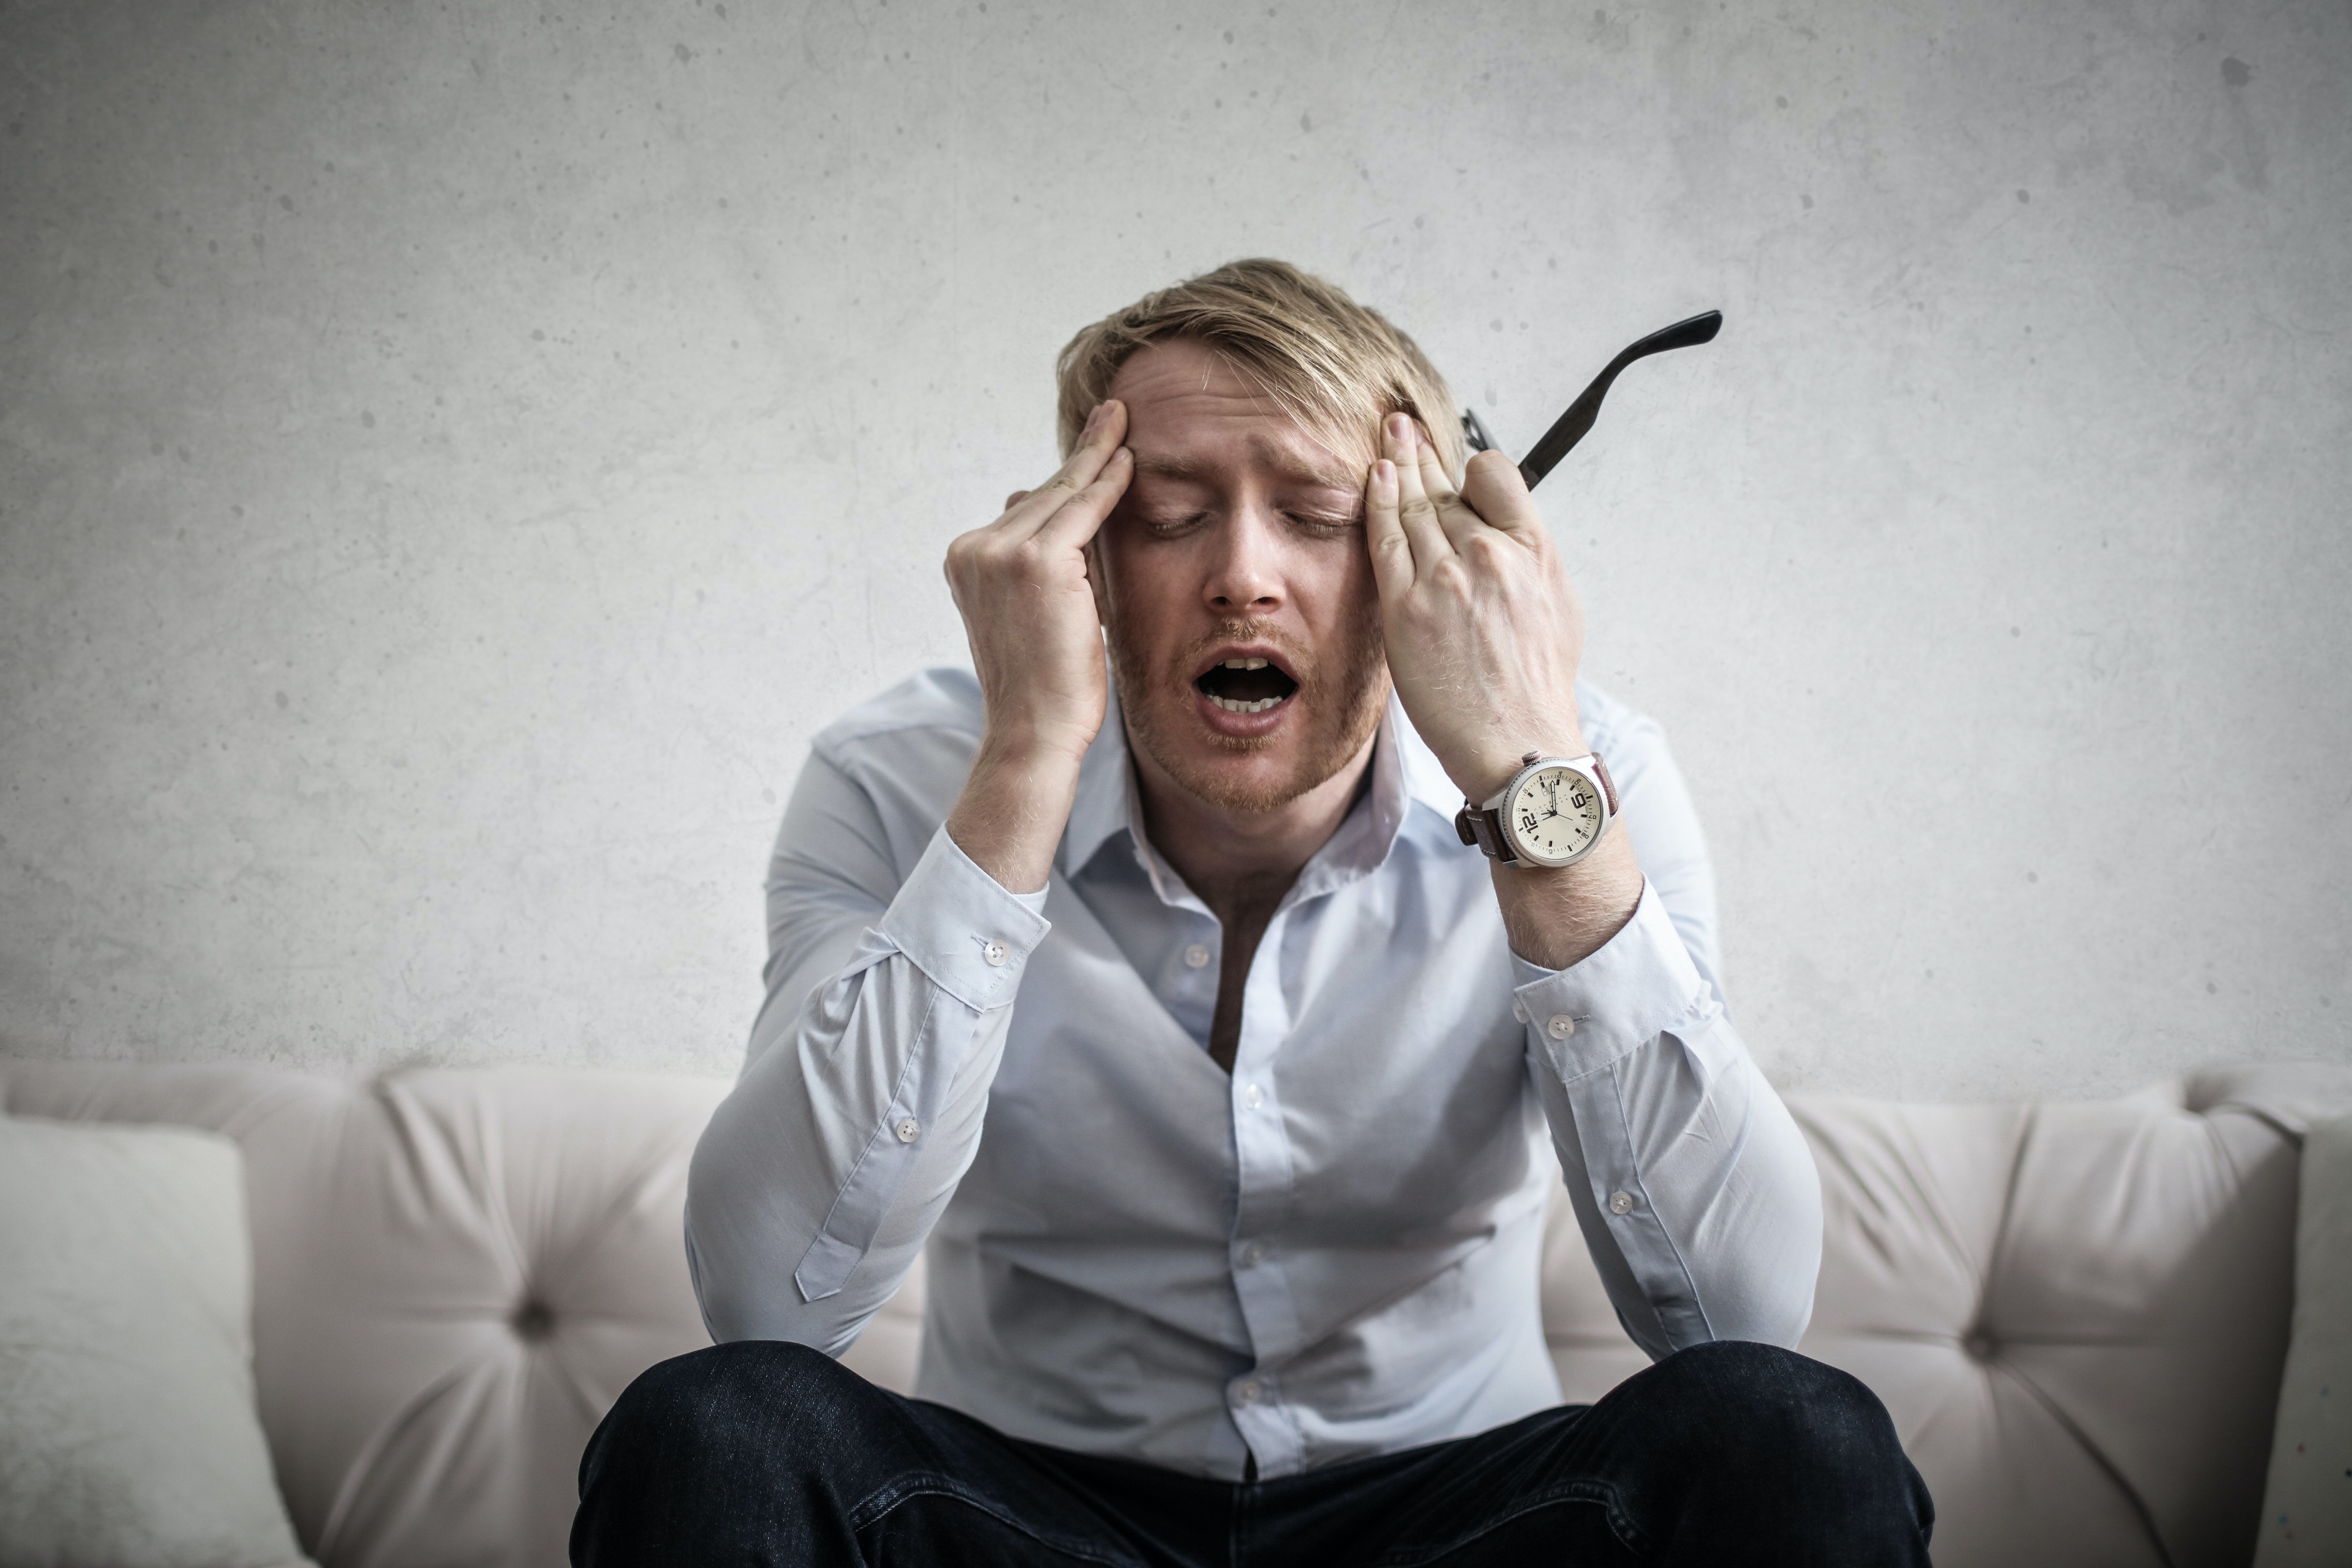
pixel 1404 771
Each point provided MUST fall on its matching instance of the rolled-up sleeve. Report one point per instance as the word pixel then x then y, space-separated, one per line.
pixel 860 1106
pixel 1695 1190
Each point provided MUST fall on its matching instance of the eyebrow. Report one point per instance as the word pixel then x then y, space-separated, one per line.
pixel 1284 463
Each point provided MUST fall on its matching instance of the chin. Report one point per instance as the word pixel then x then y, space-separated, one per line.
pixel 1245 776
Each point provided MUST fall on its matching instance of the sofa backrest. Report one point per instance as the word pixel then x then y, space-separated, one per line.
pixel 455 1273
pixel 2076 1312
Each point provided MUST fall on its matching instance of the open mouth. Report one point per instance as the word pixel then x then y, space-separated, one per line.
pixel 1246 685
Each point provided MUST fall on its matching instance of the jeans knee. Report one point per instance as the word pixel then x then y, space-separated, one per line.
pixel 788 1392
pixel 1785 1409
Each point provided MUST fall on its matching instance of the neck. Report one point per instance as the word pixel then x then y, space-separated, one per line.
pixel 1236 858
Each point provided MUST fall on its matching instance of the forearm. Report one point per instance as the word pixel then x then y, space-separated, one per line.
pixel 1695 1189
pixel 1014 807
pixel 818 1179
pixel 1557 917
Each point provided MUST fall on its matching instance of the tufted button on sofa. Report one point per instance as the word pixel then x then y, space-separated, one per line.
pixel 2077 1312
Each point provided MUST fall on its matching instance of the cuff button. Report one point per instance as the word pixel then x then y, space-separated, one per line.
pixel 1560 1026
pixel 996 953
pixel 1621 1202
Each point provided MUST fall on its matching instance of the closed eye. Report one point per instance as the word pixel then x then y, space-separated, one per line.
pixel 1171 527
pixel 1323 524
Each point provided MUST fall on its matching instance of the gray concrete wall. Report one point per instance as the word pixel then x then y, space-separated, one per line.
pixel 452 458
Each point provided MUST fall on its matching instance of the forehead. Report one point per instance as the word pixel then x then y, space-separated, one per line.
pixel 1190 413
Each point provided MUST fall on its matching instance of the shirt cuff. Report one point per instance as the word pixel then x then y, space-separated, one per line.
pixel 1640 985
pixel 962 928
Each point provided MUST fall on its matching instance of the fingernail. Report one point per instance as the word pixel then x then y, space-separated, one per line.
pixel 1384 474
pixel 1401 429
pixel 1094 419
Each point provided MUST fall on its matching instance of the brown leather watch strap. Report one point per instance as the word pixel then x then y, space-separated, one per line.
pixel 1482 830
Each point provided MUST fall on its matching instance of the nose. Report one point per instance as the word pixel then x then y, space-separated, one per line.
pixel 1245 577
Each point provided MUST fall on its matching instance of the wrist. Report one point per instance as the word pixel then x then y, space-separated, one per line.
pixel 1498 758
pixel 1029 760
pixel 1015 805
pixel 1558 917
pixel 1028 749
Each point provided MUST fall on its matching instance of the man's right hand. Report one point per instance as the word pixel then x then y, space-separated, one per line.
pixel 1036 643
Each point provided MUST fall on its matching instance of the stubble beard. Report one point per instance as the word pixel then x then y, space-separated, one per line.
pixel 1341 695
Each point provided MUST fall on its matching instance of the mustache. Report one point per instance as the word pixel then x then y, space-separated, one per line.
pixel 1301 657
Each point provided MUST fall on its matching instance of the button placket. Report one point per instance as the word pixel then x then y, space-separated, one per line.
pixel 1264 1163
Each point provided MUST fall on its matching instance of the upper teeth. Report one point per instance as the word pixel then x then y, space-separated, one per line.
pixel 1260 706
pixel 1244 664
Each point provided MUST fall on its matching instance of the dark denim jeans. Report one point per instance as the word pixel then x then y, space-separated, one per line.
pixel 766 1453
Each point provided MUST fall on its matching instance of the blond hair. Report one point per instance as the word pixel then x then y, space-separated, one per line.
pixel 1333 365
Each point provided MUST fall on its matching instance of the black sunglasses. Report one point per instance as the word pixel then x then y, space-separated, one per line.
pixel 1570 427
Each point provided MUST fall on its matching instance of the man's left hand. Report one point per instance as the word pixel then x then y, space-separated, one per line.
pixel 1482 625
pixel 1484 634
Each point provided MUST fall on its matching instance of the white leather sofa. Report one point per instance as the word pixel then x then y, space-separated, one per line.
pixel 2077 1312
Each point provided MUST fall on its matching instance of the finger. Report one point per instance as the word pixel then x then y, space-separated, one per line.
pixel 1495 487
pixel 1105 427
pixel 1384 534
pixel 1454 514
pixel 1076 521
pixel 1415 510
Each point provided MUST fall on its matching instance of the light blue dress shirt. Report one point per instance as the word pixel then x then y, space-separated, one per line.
pixel 1328 1253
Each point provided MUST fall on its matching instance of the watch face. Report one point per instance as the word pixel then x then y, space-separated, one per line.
pixel 1554 816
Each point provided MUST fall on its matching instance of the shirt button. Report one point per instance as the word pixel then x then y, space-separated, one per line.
pixel 1253 1255
pixel 1560 1026
pixel 1247 1394
pixel 1519 1011
pixel 1252 1097
pixel 996 953
pixel 1621 1202
pixel 1196 957
pixel 911 1129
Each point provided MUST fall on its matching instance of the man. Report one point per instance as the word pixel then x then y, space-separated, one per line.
pixel 1164 1004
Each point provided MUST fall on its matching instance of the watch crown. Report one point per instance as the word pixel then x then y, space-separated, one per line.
pixel 1531 759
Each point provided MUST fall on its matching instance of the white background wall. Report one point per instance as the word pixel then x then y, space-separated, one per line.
pixel 452 458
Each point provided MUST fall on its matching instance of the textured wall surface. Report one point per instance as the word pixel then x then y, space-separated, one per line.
pixel 453 457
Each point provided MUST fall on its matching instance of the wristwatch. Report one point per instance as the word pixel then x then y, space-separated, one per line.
pixel 1552 813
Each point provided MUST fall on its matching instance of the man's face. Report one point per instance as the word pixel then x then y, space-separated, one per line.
pixel 1244 626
